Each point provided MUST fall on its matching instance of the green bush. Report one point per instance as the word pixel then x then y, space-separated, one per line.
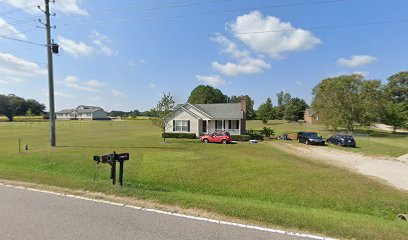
pixel 180 135
pixel 267 132
pixel 255 134
pixel 240 137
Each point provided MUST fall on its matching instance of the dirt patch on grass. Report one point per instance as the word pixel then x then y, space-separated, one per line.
pixel 393 171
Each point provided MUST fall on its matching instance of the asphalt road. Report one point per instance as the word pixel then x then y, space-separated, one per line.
pixel 26 214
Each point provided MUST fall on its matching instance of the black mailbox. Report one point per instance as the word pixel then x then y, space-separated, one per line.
pixel 111 159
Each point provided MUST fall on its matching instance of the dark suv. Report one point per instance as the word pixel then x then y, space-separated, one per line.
pixel 342 140
pixel 310 138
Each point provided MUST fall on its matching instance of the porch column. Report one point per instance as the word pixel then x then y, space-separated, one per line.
pixel 239 126
pixel 208 126
pixel 223 127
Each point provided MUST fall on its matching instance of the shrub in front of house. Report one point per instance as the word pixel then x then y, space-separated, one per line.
pixel 241 138
pixel 255 134
pixel 180 135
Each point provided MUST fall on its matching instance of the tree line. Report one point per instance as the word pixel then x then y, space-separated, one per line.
pixel 12 105
pixel 287 108
pixel 351 100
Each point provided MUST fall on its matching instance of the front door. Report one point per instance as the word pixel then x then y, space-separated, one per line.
pixel 204 127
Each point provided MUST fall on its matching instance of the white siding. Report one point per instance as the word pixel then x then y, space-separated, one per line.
pixel 100 114
pixel 183 115
pixel 196 112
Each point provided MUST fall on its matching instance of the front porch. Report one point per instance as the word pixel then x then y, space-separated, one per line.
pixel 233 126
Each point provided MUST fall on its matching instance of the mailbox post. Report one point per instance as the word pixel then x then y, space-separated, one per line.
pixel 111 159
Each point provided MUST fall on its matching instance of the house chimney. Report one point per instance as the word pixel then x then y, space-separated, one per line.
pixel 244 105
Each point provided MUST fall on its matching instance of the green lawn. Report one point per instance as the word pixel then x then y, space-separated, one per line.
pixel 248 181
pixel 369 142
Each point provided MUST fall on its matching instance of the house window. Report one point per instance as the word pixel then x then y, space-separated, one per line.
pixel 204 126
pixel 233 124
pixel 218 124
pixel 181 126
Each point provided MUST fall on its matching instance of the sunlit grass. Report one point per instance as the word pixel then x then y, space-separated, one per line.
pixel 249 181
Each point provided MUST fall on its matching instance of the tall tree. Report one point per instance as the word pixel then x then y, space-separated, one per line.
pixel 279 108
pixel 295 109
pixel 397 87
pixel 394 115
pixel 250 105
pixel 161 113
pixel 372 100
pixel 265 111
pixel 35 107
pixel 347 100
pixel 206 94
pixel 12 105
pixel 283 101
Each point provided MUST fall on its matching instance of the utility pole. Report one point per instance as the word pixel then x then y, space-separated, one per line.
pixel 50 73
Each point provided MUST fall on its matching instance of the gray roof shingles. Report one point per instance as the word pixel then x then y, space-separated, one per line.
pixel 222 110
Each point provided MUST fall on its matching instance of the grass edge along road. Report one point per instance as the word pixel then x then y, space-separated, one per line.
pixel 253 182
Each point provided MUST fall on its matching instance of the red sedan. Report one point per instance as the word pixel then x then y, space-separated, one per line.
pixel 216 137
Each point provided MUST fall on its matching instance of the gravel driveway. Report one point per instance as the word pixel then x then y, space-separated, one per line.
pixel 393 171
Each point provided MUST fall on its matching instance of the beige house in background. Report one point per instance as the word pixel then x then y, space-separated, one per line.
pixel 208 118
pixel 82 112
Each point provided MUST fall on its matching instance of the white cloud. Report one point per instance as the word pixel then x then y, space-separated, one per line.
pixel 151 85
pixel 356 61
pixel 246 63
pixel 132 63
pixel 76 49
pixel 269 35
pixel 213 80
pixel 246 66
pixel 62 94
pixel 64 6
pixel 94 83
pixel 57 94
pixel 70 7
pixel 13 66
pixel 230 48
pixel 7 29
pixel 298 83
pixel 10 80
pixel 102 43
pixel 117 93
pixel 73 82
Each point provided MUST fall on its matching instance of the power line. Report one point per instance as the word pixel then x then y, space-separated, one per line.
pixel 29 60
pixel 17 22
pixel 209 13
pixel 23 41
pixel 325 27
pixel 175 4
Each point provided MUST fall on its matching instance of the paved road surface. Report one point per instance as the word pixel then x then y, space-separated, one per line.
pixel 33 215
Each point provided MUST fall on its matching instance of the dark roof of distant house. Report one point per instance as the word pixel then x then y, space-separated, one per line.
pixel 218 110
pixel 82 109
pixel 66 111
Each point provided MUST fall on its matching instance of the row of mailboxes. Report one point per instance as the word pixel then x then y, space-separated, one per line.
pixel 111 159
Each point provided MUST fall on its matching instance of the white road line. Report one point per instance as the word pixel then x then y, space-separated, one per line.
pixel 174 214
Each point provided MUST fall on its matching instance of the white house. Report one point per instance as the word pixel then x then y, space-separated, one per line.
pixel 82 113
pixel 208 118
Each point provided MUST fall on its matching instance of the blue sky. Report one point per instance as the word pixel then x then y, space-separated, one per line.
pixel 121 55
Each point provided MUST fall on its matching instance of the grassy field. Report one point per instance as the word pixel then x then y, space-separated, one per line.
pixel 369 142
pixel 245 181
